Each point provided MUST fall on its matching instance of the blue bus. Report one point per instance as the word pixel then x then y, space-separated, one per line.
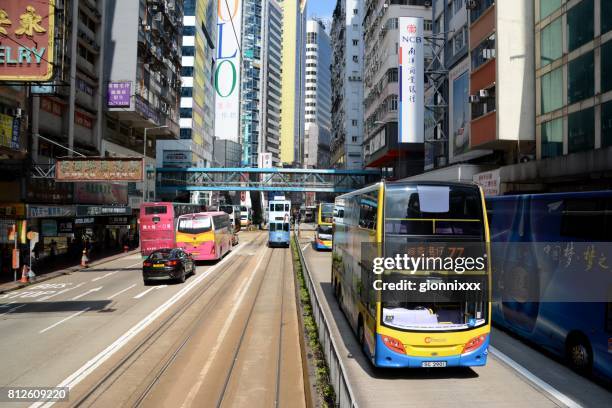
pixel 534 239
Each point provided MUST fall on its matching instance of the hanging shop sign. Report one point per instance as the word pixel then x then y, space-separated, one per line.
pixel 102 210
pixel 49 211
pixel 99 169
pixel 27 46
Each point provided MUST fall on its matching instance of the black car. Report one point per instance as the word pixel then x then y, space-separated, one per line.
pixel 169 263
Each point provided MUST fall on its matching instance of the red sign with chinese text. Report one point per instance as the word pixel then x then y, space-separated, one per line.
pixel 26 40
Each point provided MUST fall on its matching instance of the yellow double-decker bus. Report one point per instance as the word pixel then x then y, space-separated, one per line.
pixel 324 231
pixel 406 327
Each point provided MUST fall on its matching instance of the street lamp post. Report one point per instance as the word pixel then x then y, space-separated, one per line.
pixel 144 162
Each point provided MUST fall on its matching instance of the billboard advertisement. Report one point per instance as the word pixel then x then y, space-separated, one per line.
pixel 26 30
pixel 227 70
pixel 100 193
pixel 411 80
pixel 99 169
pixel 119 94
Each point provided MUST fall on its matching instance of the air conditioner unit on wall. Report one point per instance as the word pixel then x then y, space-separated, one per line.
pixel 471 4
pixel 474 99
pixel 483 93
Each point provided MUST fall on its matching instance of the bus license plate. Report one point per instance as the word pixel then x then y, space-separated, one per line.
pixel 160 265
pixel 433 364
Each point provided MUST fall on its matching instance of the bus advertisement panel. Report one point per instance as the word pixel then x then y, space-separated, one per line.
pixel 551 279
pixel 406 310
pixel 206 236
pixel 157 224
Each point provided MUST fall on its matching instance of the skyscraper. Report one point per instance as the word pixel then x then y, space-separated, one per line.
pixel 260 95
pixel 317 126
pixel 347 84
pixel 292 126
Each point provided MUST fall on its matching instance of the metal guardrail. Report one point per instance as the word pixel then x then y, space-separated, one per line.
pixel 337 373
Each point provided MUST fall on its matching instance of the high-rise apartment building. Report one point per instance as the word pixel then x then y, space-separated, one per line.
pixel 347 85
pixel 292 107
pixel 317 96
pixel 261 80
pixel 381 146
pixel 197 92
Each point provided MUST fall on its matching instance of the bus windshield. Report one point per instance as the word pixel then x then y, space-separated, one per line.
pixel 326 213
pixel 433 211
pixel 194 225
pixel 279 226
pixel 422 214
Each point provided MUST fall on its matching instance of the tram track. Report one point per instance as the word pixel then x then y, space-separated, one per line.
pixel 112 375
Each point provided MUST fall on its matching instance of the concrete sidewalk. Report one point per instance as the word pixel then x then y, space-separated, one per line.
pixel 10 286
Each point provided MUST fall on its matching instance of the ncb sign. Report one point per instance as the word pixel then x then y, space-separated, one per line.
pixel 411 80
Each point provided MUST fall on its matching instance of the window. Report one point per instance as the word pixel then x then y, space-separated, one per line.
pixel 354 139
pixel 187 71
pixel 606 124
pixel 185 133
pixel 551 42
pixel 581 130
pixel 606 16
pixel 186 112
pixel 581 78
pixel 552 90
pixel 548 6
pixel 606 67
pixel 552 138
pixel 355 42
pixel 580 24
pixel 355 58
pixel 457 6
pixel 188 51
pixel 158 209
pixel 189 30
pixel 427 25
pixel 483 52
pixel 355 12
pixel 187 92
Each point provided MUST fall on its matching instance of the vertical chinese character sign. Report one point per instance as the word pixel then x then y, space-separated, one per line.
pixel 411 80
pixel 26 40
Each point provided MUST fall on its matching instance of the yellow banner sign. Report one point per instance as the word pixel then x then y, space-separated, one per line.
pixel 99 169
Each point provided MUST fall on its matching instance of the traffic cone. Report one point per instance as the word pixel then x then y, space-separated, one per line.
pixel 84 259
pixel 24 274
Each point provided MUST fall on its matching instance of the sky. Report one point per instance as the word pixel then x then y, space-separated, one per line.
pixel 320 8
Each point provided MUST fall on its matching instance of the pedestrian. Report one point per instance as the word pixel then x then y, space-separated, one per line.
pixel 36 250
pixel 52 249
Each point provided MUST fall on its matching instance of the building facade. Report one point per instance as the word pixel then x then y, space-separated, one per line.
pixel 347 84
pixel 292 105
pixel 381 90
pixel 317 96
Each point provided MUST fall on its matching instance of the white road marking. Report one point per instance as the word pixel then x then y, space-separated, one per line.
pixel 76 377
pixel 87 293
pixel 60 292
pixel 141 294
pixel 10 310
pixel 7 304
pixel 121 291
pixel 543 385
pixel 305 246
pixel 63 320
pixel 228 321
pixel 102 277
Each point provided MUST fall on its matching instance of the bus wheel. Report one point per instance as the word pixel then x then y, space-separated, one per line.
pixel 579 353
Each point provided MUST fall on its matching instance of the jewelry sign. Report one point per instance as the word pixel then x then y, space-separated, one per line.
pixel 411 80
pixel 26 40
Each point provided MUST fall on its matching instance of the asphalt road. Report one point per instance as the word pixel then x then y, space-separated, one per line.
pixel 229 336
pixel 516 375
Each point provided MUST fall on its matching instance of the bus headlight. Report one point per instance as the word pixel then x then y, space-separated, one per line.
pixel 394 344
pixel 474 343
